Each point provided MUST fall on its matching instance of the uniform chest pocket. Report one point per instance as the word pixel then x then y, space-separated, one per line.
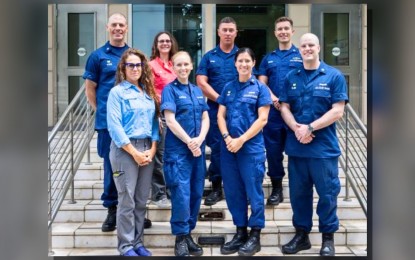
pixel 184 107
pixel 182 102
pixel 215 68
pixel 272 67
pixel 201 102
pixel 322 93
pixel 249 100
pixel 132 103
pixel 293 93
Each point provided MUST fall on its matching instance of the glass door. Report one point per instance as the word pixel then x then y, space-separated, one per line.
pixel 255 26
pixel 80 30
pixel 339 30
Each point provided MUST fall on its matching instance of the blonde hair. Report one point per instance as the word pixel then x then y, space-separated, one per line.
pixel 181 53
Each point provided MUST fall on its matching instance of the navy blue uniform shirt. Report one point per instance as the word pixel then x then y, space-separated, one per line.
pixel 100 68
pixel 220 69
pixel 310 97
pixel 188 104
pixel 242 101
pixel 276 66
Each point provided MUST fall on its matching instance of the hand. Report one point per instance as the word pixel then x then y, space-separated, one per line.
pixel 233 145
pixel 302 132
pixel 276 103
pixel 149 154
pixel 307 140
pixel 140 158
pixel 194 144
pixel 197 152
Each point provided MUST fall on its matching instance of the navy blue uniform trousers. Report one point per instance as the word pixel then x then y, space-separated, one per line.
pixel 323 173
pixel 242 176
pixel 185 177
pixel 110 194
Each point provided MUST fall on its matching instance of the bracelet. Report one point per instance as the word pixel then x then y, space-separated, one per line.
pixel 225 135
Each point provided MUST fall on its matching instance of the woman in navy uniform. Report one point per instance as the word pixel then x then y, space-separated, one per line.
pixel 243 112
pixel 185 110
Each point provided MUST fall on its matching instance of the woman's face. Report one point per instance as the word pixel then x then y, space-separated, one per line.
pixel 164 43
pixel 133 68
pixel 244 64
pixel 182 66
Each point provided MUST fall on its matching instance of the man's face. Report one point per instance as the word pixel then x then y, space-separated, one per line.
pixel 117 28
pixel 283 32
pixel 227 33
pixel 309 48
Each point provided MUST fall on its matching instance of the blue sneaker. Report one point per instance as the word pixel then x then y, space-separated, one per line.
pixel 130 252
pixel 142 251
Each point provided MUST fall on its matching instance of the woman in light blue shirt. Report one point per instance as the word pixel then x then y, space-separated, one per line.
pixel 132 111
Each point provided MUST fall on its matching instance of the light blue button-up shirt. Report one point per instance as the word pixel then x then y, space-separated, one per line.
pixel 131 114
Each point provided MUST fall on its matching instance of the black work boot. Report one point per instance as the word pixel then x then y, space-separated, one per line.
pixel 327 246
pixel 147 223
pixel 298 243
pixel 180 247
pixel 111 221
pixel 252 245
pixel 237 241
pixel 276 194
pixel 216 194
pixel 194 249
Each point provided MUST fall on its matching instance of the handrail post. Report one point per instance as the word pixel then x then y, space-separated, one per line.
pixel 347 186
pixel 51 252
pixel 72 201
pixel 50 204
pixel 88 149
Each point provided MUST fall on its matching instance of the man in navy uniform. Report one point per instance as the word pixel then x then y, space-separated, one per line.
pixel 272 71
pixel 216 68
pixel 312 100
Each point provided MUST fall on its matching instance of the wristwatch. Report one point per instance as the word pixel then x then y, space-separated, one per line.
pixel 310 128
pixel 225 135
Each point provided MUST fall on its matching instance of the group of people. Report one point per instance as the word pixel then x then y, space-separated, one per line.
pixel 153 125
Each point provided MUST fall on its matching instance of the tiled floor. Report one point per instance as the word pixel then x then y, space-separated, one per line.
pixel 212 251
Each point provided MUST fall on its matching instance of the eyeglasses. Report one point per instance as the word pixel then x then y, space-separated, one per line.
pixel 131 66
pixel 164 41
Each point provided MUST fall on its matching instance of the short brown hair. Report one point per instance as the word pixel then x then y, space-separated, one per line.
pixel 227 19
pixel 284 19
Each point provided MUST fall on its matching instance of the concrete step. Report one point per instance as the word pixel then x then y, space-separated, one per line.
pixel 93 211
pixel 275 233
pixel 87 189
pixel 345 251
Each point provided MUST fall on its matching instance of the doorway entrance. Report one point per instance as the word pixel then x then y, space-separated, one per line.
pixel 80 30
pixel 339 30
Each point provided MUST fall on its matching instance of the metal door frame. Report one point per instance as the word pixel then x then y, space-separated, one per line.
pixel 100 37
pixel 354 70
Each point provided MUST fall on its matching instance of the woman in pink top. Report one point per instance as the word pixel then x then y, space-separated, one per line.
pixel 164 47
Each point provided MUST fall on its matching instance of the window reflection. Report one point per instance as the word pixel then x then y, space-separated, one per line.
pixel 80 38
pixel 336 39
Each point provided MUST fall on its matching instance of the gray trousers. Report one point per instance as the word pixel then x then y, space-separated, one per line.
pixel 158 183
pixel 133 184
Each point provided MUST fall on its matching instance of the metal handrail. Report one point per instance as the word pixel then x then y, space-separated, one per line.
pixel 352 135
pixel 67 143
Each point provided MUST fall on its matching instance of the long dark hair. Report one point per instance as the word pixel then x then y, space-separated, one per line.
pixel 155 51
pixel 146 79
